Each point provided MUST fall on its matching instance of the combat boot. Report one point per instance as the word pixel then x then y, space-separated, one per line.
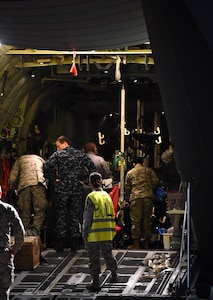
pixel 114 278
pixel 75 244
pixel 135 245
pixel 95 286
pixel 59 245
pixel 146 244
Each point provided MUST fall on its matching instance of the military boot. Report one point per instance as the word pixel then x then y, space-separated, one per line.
pixel 95 286
pixel 59 245
pixel 135 245
pixel 146 244
pixel 114 278
pixel 75 244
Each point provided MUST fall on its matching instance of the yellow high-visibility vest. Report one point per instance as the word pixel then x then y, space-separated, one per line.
pixel 103 226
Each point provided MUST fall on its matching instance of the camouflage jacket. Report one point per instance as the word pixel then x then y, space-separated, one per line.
pixel 140 182
pixel 67 167
pixel 10 223
pixel 27 171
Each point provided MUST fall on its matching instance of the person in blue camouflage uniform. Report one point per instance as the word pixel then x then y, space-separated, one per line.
pixel 140 183
pixel 10 222
pixel 67 167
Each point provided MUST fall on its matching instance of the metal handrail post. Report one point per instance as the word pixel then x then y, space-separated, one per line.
pixel 188 235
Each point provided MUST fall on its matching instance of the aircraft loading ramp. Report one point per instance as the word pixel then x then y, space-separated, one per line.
pixel 143 274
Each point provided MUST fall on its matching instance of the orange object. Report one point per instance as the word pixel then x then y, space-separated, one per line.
pixel 73 68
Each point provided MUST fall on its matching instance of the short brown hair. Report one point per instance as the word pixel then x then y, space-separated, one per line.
pixel 90 147
pixel 62 138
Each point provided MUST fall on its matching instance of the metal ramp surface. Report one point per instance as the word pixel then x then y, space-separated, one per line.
pixel 67 274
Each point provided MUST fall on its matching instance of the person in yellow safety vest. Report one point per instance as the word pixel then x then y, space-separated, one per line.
pixel 98 231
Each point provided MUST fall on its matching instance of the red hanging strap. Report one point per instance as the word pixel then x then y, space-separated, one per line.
pixel 73 68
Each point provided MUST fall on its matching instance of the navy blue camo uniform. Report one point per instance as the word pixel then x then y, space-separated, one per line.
pixel 10 222
pixel 70 167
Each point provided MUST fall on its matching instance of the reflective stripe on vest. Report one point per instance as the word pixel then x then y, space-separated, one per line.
pixel 103 226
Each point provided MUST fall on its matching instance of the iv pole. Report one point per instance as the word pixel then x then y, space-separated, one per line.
pixel 122 144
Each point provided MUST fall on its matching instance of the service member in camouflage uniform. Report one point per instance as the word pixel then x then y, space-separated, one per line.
pixel 10 222
pixel 140 183
pixel 27 177
pixel 98 231
pixel 66 168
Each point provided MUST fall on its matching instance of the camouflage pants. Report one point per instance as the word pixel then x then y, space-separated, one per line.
pixel 32 202
pixel 94 250
pixel 6 274
pixel 140 214
pixel 69 208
